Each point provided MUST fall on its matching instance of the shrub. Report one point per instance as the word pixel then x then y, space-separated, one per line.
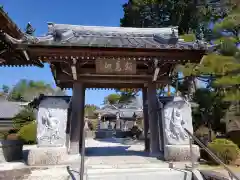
pixel 28 133
pixel 13 131
pixel 225 149
pixel 3 135
pixel 93 124
pixel 90 126
pixel 24 117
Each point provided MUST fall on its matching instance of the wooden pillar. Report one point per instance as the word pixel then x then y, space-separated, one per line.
pixel 153 119
pixel 69 112
pixel 160 125
pixel 77 118
pixel 146 119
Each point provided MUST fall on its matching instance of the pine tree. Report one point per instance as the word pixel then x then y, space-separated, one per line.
pixel 219 71
pixel 216 69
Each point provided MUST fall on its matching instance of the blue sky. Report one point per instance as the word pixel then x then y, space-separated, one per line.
pixel 79 12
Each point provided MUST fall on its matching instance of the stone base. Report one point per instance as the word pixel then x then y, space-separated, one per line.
pixel 74 148
pixel 101 134
pixel 181 153
pixel 49 156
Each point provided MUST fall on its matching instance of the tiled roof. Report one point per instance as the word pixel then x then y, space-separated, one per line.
pixel 9 109
pixel 98 36
pixel 7 25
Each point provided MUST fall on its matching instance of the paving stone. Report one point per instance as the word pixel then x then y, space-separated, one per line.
pixel 15 174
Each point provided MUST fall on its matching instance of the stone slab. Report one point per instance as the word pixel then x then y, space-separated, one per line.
pixel 51 122
pixel 141 174
pixel 181 153
pixel 50 156
pixel 177 117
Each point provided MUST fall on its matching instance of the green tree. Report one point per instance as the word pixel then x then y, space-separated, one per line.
pixel 186 14
pixel 5 89
pixel 27 90
pixel 24 117
pixel 127 94
pixel 90 109
pixel 112 99
pixel 211 109
pixel 220 71
pixel 216 68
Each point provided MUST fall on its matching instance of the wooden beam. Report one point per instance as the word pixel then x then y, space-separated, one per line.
pixel 93 78
pixel 178 55
pixel 107 81
pixel 26 55
pixel 69 84
pixel 93 71
pixel 74 69
pixel 156 71
pixel 116 75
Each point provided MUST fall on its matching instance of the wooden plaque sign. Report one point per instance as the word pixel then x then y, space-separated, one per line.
pixel 115 66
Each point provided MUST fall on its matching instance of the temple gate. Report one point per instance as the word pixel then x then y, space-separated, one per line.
pixel 82 57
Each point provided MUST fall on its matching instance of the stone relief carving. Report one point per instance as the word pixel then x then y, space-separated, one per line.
pixel 51 122
pixel 177 116
pixel 176 125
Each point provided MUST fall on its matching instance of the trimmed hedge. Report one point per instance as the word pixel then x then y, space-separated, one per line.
pixel 225 149
pixel 28 133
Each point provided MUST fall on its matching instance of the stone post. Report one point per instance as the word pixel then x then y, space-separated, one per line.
pixel 118 125
pixel 145 120
pixel 99 121
pixel 52 127
pixel 77 118
pixel 178 117
pixel 153 119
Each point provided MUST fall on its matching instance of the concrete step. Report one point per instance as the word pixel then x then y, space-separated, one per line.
pixel 138 173
pixel 127 166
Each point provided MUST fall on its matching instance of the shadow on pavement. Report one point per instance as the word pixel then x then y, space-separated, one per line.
pixel 70 172
pixel 113 151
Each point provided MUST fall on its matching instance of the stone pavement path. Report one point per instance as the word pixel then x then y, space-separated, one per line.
pixel 105 154
pixel 101 157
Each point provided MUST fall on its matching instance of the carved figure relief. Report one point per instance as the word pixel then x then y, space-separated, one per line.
pixel 176 125
pixel 177 116
pixel 51 122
